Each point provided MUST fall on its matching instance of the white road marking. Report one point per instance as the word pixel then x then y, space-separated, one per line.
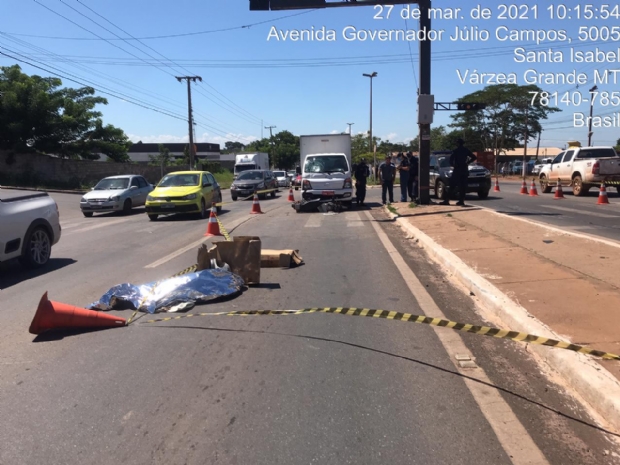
pixel 98 225
pixel 511 434
pixel 580 212
pixel 314 221
pixel 353 219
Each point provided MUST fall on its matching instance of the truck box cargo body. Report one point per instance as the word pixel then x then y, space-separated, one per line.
pixel 325 162
pixel 251 161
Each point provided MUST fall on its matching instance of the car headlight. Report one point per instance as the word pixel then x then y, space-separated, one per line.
pixel 115 198
pixel 83 200
pixel 189 197
pixel 261 185
pixel 449 173
pixel 150 198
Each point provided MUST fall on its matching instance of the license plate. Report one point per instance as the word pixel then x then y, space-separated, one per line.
pixel 167 205
pixel 474 185
pixel 327 193
pixel 94 207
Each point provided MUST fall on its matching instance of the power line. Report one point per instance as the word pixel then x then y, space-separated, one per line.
pixel 411 56
pixel 169 36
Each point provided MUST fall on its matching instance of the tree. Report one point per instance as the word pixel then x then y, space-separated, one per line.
pixel 163 158
pixel 231 147
pixel 618 145
pixel 283 149
pixel 37 113
pixel 509 115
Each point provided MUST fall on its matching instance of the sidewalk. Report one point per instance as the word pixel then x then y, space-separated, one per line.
pixel 570 284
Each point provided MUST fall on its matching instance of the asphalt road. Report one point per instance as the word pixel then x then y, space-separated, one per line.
pixel 578 214
pixel 314 388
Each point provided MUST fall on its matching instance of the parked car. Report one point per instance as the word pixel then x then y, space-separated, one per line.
pixel 116 193
pixel 282 178
pixel 184 192
pixel 479 180
pixel 517 167
pixel 29 227
pixel 581 168
pixel 297 180
pixel 291 175
pixel 255 180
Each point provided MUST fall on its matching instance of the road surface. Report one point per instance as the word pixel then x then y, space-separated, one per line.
pixel 314 388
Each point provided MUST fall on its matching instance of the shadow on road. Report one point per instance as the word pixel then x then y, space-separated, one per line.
pixel 13 273
pixel 59 334
pixel 133 212
pixel 527 213
pixel 402 357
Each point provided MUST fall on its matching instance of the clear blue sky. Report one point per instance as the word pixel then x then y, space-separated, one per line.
pixel 305 87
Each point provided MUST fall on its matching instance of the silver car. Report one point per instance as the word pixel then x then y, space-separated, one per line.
pixel 282 178
pixel 116 193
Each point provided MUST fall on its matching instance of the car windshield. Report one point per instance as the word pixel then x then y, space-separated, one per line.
pixel 178 180
pixel 326 164
pixel 112 183
pixel 444 162
pixel 279 174
pixel 251 176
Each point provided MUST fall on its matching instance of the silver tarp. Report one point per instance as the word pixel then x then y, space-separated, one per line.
pixel 161 296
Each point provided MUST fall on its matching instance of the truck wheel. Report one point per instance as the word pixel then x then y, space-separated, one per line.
pixel 153 217
pixel 37 248
pixel 579 190
pixel 483 194
pixel 87 214
pixel 544 185
pixel 440 190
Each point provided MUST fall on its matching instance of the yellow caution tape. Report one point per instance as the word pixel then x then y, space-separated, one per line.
pixel 390 315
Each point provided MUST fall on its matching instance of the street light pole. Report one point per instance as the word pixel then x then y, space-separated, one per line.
pixel 373 75
pixel 595 88
pixel 350 124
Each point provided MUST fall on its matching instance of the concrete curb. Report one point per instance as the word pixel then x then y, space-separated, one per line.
pixel 58 191
pixel 597 386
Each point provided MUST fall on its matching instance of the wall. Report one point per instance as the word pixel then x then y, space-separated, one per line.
pixel 33 168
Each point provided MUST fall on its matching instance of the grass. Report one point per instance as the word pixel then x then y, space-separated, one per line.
pixel 224 179
pixel 392 209
pixel 413 205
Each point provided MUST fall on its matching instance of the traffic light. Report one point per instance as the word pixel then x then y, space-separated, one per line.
pixel 470 106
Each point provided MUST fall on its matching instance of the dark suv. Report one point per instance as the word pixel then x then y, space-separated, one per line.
pixel 479 177
pixel 254 180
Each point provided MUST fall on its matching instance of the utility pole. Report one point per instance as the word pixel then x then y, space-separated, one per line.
pixel 370 144
pixel 350 124
pixel 525 146
pixel 538 144
pixel 425 89
pixel 190 121
pixel 271 139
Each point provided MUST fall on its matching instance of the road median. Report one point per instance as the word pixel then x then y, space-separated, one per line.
pixel 536 280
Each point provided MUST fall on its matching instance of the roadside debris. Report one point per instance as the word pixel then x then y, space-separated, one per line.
pixel 280 258
pixel 242 254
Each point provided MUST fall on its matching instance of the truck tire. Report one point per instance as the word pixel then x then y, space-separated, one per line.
pixel 37 248
pixel 579 190
pixel 544 184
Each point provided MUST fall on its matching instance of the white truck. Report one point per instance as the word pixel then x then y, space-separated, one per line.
pixel 250 161
pixel 581 168
pixel 325 162
pixel 29 227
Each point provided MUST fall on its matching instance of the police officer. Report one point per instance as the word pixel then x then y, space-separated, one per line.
pixel 459 160
pixel 403 168
pixel 387 174
pixel 361 175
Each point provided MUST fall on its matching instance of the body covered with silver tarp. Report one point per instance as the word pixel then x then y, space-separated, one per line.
pixel 161 296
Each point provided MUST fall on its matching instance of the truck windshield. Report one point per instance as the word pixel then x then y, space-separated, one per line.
pixel 240 168
pixel 326 164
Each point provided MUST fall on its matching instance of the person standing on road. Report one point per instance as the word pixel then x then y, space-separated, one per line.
pixel 459 160
pixel 361 174
pixel 387 174
pixel 412 185
pixel 403 168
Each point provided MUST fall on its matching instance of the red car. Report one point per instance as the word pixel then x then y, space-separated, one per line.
pixel 297 180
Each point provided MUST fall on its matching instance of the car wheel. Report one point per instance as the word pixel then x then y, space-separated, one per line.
pixel 234 197
pixel 219 207
pixel 578 188
pixel 262 196
pixel 37 248
pixel 483 194
pixel 153 217
pixel 127 207
pixel 87 214
pixel 618 190
pixel 544 185
pixel 203 209
pixel 440 190
pixel 273 194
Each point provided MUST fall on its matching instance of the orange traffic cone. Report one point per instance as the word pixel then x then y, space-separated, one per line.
pixel 213 228
pixel 56 315
pixel 255 205
pixel 523 188
pixel 496 188
pixel 533 191
pixel 602 195
pixel 291 197
pixel 558 191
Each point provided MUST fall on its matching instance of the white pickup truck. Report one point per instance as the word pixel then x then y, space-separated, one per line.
pixel 29 227
pixel 581 168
